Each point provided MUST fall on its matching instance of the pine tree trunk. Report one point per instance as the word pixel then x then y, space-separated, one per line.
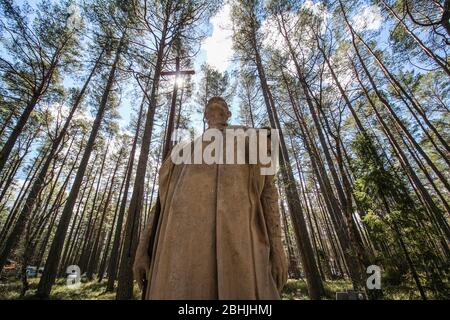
pixel 314 282
pixel 125 284
pixel 52 263
pixel 115 253
pixel 95 252
pixel 103 263
pixel 38 184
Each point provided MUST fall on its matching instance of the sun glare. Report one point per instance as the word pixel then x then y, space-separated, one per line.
pixel 180 81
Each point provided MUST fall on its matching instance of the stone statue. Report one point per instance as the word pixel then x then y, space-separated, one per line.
pixel 219 231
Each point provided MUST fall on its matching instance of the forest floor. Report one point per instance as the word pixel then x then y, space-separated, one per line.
pixel 93 290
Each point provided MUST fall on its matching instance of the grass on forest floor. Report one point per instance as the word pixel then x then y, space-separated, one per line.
pixel 92 290
pixel 297 290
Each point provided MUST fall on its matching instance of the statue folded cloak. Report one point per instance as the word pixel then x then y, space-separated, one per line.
pixel 212 237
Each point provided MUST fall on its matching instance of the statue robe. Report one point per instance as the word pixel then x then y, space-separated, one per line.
pixel 211 238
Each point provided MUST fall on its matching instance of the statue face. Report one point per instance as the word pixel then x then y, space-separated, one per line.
pixel 217 113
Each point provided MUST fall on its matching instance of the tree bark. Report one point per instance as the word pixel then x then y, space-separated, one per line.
pixel 52 263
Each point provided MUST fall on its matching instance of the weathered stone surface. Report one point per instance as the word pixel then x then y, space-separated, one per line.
pixel 219 233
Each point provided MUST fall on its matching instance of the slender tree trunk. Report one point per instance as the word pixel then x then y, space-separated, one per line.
pixel 397 149
pixel 95 252
pixel 85 252
pixel 23 192
pixel 75 228
pixel 314 282
pixel 15 133
pixel 438 60
pixel 103 263
pixel 125 285
pixel 52 263
pixel 397 86
pixel 115 253
pixel 405 252
pixel 39 183
pixel 38 92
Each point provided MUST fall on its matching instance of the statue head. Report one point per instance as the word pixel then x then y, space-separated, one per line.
pixel 217 113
